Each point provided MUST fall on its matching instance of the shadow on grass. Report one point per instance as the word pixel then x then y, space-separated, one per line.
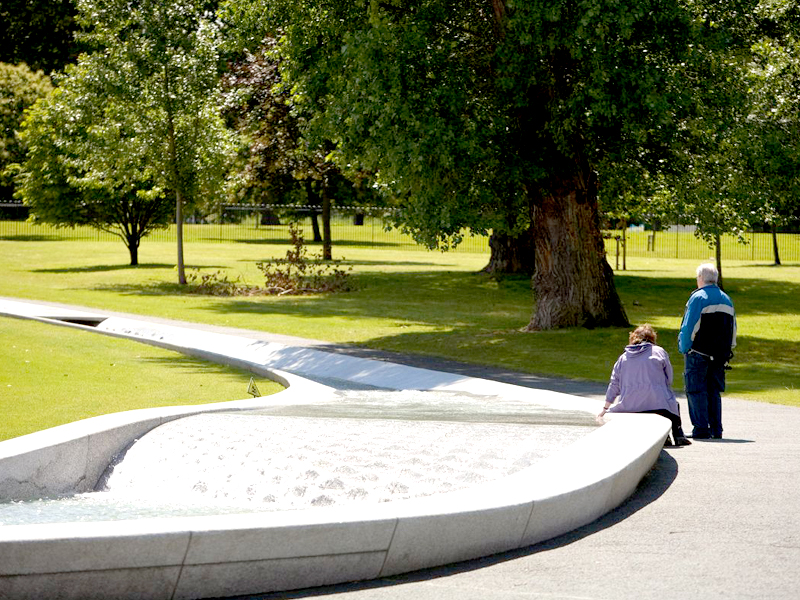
pixel 474 318
pixel 394 263
pixel 190 365
pixel 344 262
pixel 157 288
pixel 104 268
pixel 458 298
pixel 412 294
pixel 770 266
pixel 29 238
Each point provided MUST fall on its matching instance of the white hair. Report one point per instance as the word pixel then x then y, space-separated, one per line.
pixel 707 273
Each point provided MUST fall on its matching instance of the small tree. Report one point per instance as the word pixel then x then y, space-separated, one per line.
pixel 712 194
pixel 738 163
pixel 157 65
pixel 771 148
pixel 83 166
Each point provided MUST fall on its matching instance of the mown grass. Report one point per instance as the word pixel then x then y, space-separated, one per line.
pixel 53 375
pixel 427 303
pixel 677 243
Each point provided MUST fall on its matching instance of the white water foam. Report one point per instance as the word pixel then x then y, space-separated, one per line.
pixel 365 447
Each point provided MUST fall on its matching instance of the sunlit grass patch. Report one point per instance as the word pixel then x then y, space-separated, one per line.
pixel 436 304
pixel 51 375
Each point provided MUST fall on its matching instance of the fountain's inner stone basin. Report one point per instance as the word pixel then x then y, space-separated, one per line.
pixel 363 447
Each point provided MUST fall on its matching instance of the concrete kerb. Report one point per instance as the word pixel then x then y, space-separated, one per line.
pixel 196 557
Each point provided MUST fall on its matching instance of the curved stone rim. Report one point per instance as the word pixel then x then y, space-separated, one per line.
pixel 196 557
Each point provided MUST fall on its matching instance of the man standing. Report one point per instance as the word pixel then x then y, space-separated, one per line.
pixel 706 338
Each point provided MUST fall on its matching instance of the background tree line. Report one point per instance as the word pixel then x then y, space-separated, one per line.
pixel 525 121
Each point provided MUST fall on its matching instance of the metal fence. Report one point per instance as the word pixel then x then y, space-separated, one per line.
pixel 350 226
pixel 679 241
pixel 368 227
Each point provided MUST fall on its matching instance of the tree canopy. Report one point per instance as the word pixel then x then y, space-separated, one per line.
pixel 279 166
pixel 736 162
pixel 770 145
pixel 139 114
pixel 496 116
pixel 503 114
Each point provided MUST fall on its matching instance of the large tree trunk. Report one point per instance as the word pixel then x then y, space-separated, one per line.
pixel 573 283
pixel 511 253
pixel 718 255
pixel 315 230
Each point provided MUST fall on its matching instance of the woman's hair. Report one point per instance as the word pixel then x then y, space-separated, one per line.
pixel 708 273
pixel 643 333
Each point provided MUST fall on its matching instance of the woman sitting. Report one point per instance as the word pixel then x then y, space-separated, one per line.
pixel 642 378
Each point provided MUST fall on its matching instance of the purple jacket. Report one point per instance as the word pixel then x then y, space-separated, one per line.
pixel 642 378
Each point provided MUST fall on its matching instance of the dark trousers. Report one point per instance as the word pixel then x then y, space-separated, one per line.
pixel 705 381
pixel 677 429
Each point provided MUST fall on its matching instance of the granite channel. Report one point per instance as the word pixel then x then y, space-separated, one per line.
pixel 262 551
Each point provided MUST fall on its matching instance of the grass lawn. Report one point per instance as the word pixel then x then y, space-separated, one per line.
pixel 52 375
pixel 427 303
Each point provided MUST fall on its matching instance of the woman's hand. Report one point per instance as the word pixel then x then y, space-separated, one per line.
pixel 602 413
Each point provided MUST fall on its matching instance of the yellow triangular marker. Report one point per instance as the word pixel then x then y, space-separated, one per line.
pixel 252 389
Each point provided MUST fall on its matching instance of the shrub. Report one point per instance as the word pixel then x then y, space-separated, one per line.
pixel 296 274
pixel 217 284
pixel 300 274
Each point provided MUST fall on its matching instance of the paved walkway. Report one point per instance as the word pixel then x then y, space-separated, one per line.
pixel 718 519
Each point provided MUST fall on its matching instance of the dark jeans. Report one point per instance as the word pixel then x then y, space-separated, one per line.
pixel 705 381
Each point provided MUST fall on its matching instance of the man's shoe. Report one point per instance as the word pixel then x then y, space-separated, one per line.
pixel 682 441
pixel 701 436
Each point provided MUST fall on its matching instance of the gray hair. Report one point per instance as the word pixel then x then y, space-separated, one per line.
pixel 707 272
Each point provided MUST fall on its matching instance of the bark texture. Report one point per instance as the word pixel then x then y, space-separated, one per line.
pixel 511 254
pixel 573 283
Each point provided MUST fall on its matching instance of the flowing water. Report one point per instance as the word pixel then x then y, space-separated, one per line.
pixel 365 447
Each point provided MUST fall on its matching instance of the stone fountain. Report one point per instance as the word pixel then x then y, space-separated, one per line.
pixel 360 469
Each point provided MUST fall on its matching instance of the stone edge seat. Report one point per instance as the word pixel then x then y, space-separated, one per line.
pixel 206 557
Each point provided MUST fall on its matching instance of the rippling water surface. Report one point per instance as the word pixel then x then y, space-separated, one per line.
pixel 365 447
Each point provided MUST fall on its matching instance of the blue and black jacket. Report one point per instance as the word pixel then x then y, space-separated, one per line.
pixel 709 324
